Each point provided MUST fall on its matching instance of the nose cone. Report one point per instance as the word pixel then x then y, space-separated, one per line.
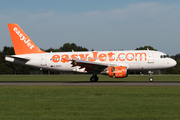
pixel 173 63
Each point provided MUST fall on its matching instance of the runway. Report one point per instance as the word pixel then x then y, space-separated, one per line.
pixel 87 83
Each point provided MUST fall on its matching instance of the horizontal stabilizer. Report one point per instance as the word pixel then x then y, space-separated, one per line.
pixel 19 59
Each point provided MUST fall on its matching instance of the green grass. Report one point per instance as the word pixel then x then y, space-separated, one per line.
pixel 88 102
pixel 85 78
pixel 99 103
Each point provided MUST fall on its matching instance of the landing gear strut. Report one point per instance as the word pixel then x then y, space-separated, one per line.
pixel 150 78
pixel 94 78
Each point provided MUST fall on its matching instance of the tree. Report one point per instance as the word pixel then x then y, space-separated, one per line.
pixel 145 48
pixel 52 50
pixel 67 47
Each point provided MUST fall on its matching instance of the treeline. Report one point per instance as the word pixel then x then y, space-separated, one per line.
pixel 11 68
pixel 67 47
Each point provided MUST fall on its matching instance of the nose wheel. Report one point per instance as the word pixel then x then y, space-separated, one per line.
pixel 150 78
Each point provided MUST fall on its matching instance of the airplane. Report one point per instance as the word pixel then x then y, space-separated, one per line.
pixel 115 64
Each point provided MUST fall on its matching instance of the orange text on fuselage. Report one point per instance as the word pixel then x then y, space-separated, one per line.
pixel 99 56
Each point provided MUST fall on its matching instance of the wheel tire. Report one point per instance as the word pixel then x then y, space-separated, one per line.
pixel 93 79
pixel 96 77
pixel 151 79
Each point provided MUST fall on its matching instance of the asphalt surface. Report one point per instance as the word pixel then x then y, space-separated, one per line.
pixel 87 83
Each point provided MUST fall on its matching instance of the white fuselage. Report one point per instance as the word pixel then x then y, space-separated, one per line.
pixel 61 61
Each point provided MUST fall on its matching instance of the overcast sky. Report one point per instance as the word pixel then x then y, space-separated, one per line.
pixel 95 24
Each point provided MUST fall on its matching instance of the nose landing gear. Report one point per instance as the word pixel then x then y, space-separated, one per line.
pixel 150 78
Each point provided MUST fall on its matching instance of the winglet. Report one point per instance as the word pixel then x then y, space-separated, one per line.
pixel 21 42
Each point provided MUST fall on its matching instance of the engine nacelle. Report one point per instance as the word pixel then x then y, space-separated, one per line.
pixel 116 71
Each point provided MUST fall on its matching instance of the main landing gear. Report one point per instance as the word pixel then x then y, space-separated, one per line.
pixel 150 78
pixel 94 78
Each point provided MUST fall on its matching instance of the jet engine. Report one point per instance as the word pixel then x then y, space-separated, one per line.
pixel 116 71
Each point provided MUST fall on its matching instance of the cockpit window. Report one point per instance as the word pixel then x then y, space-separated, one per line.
pixel 164 56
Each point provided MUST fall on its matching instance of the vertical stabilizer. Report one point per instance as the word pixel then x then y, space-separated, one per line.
pixel 21 42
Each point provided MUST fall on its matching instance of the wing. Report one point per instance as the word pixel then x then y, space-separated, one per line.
pixel 89 66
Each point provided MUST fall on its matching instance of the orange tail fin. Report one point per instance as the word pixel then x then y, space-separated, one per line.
pixel 21 42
